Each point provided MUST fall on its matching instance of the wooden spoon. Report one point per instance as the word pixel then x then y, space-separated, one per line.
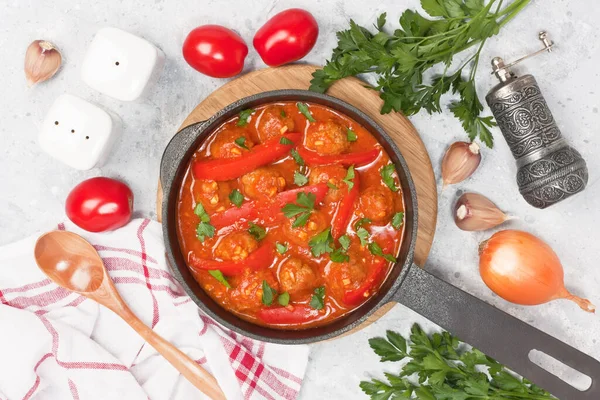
pixel 71 262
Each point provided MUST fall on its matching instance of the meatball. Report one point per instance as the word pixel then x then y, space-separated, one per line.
pixel 344 276
pixel 224 145
pixel 333 174
pixel 327 137
pixel 262 183
pixel 273 123
pixel 236 246
pixel 317 222
pixel 377 204
pixel 247 291
pixel 295 276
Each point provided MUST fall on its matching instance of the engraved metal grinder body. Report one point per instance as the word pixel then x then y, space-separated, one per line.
pixel 549 170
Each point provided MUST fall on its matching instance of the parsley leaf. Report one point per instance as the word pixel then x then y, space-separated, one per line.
pixel 236 197
pixel 321 243
pixel 285 141
pixel 257 231
pixel 300 179
pixel 282 113
pixel 351 135
pixel 303 210
pixel 344 241
pixel 244 116
pixel 386 174
pixel 241 141
pixel 446 369
pixel 317 301
pixel 363 235
pixel 281 247
pixel 268 294
pixel 339 256
pixel 401 60
pixel 361 222
pixel 331 186
pixel 304 110
pixel 218 275
pixel 204 228
pixel 306 199
pixel 299 160
pixel 284 299
pixel 349 177
pixel 398 220
pixel 375 249
pixel 301 219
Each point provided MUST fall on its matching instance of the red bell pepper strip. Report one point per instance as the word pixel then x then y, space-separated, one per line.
pixel 288 315
pixel 373 279
pixel 225 169
pixel 358 159
pixel 344 210
pixel 253 209
pixel 258 259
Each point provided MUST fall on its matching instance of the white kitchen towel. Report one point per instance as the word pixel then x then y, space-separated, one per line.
pixel 55 344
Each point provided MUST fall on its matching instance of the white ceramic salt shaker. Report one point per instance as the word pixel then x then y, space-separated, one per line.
pixel 121 65
pixel 78 133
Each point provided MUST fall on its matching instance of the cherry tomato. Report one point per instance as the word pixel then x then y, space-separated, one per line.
pixel 287 37
pixel 215 51
pixel 100 204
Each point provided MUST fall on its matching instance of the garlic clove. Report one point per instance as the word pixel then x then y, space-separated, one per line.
pixel 460 162
pixel 42 60
pixel 474 212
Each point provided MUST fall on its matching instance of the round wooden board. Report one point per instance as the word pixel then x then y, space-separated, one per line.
pixel 352 91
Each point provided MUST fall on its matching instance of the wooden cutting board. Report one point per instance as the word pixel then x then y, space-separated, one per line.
pixel 352 91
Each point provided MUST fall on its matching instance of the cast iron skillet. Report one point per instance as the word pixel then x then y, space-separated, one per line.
pixel 501 336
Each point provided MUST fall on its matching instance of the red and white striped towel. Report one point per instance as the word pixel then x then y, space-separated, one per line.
pixel 55 344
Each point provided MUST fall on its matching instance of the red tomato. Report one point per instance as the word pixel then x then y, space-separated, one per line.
pixel 100 204
pixel 288 36
pixel 215 51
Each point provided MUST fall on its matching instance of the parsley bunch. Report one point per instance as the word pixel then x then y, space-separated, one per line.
pixel 400 59
pixel 444 369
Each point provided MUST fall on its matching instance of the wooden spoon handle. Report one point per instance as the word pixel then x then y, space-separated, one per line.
pixel 193 372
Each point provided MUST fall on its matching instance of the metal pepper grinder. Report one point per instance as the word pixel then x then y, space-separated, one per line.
pixel 549 170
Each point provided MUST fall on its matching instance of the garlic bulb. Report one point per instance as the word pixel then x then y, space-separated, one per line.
pixel 474 212
pixel 42 60
pixel 460 161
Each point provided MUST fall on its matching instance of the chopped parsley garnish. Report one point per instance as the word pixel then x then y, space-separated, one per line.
pixel 236 197
pixel 218 275
pixel 331 186
pixel 375 249
pixel 349 177
pixel 244 116
pixel 299 160
pixel 204 228
pixel 257 231
pixel 361 222
pixel 285 141
pixel 283 114
pixel 386 174
pixel 268 294
pixel 339 256
pixel 281 247
pixel 241 141
pixel 317 301
pixel 321 243
pixel 304 110
pixel 344 241
pixel 300 179
pixel 284 299
pixel 351 135
pixel 363 235
pixel 302 210
pixel 398 220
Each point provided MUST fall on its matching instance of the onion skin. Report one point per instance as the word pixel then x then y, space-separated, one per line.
pixel 522 269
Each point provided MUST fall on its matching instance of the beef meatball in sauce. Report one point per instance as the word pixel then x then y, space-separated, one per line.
pixel 297 277
pixel 377 204
pixel 236 246
pixel 327 137
pixel 330 174
pixel 274 122
pixel 262 183
pixel 225 146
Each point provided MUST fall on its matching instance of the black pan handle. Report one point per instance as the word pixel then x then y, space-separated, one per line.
pixel 175 151
pixel 496 333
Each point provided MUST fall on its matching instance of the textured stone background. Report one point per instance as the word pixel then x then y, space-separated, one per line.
pixel 33 187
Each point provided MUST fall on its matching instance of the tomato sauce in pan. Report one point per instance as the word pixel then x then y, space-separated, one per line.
pixel 289 222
